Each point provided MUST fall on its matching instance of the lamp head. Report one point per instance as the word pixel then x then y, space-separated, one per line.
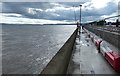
pixel 80 5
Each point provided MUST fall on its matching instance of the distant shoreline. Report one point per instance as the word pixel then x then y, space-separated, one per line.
pixel 35 24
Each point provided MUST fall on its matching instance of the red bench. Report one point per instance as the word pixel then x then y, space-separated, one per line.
pixel 89 35
pixel 113 59
pixel 97 43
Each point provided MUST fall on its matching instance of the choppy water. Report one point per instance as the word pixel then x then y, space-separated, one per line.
pixel 28 49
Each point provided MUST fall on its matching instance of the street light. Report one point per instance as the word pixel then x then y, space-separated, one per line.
pixel 80 14
pixel 74 13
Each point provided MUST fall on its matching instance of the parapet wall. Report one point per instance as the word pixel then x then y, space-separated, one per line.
pixel 111 37
pixel 60 62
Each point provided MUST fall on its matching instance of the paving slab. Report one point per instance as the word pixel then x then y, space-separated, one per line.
pixel 87 60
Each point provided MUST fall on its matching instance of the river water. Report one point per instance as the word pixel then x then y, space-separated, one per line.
pixel 28 49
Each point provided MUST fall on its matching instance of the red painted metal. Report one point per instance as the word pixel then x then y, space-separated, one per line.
pixel 113 59
pixel 97 43
pixel 89 35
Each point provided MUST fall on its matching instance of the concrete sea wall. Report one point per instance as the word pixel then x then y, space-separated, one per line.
pixel 60 62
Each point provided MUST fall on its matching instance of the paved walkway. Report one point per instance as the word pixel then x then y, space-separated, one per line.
pixel 87 60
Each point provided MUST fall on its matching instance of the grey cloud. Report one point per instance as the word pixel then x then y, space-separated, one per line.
pixel 21 8
pixel 97 13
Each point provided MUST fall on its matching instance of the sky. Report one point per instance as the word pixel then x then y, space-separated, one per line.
pixel 57 12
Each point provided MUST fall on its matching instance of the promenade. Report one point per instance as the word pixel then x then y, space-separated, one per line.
pixel 86 59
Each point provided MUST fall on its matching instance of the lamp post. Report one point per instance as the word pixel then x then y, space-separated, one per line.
pixel 74 13
pixel 80 14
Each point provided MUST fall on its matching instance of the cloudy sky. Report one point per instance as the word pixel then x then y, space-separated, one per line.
pixel 56 12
